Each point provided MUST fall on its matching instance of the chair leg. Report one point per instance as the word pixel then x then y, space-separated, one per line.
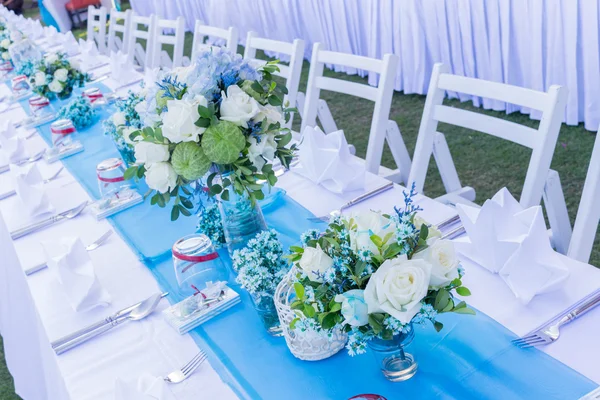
pixel 70 14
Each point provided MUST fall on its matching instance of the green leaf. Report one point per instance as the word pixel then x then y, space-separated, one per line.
pixel 257 87
pixel 329 321
pixel 299 289
pixel 376 322
pixel 297 249
pixel 184 211
pixel 293 323
pixel 336 307
pixel 377 240
pixel 441 300
pixel 359 268
pixel 223 142
pixel 225 195
pixel 130 173
pixel 140 172
pixel 202 122
pixel 275 101
pixel 463 291
pixel 160 200
pixel 438 326
pixel 205 112
pixel 188 160
pixel 424 232
pixel 465 310
pixel 175 213
pixel 158 134
pixel 309 310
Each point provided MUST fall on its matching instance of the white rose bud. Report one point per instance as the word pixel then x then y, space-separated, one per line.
pixel 315 262
pixel 128 130
pixel 5 43
pixel 398 287
pixel 56 86
pixel 237 106
pixel 271 113
pixel 51 58
pixel 6 56
pixel 40 78
pixel 434 232
pixel 161 177
pixel 150 153
pixel 118 118
pixel 367 224
pixel 444 262
pixel 179 121
pixel 61 74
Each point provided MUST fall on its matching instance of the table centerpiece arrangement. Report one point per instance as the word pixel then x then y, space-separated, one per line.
pixel 123 123
pixel 216 127
pixel 79 111
pixel 369 278
pixel 55 77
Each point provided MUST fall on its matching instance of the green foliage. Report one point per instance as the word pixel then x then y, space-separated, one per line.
pixel 189 161
pixel 223 142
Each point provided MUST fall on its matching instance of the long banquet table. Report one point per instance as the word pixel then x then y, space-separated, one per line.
pixel 244 361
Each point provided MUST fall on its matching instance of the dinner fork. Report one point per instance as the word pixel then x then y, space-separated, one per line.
pixel 551 333
pixel 359 199
pixel 34 158
pixel 182 374
pixel 91 247
pixel 45 181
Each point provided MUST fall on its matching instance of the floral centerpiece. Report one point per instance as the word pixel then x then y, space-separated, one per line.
pixel 376 275
pixel 219 118
pixel 26 68
pixel 209 223
pixel 5 43
pixel 260 267
pixel 80 111
pixel 123 123
pixel 54 76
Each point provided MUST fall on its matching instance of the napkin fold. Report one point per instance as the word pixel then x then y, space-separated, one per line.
pixel 53 37
pixel 29 186
pixel 36 30
pixel 70 45
pixel 13 146
pixel 513 242
pixel 121 70
pixel 326 160
pixel 70 262
pixel 147 387
pixel 89 54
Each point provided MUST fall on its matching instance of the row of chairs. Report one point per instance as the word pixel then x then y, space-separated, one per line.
pixel 541 182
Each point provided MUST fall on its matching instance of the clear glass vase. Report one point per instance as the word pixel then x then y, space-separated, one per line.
pixel 265 307
pixel 395 363
pixel 242 220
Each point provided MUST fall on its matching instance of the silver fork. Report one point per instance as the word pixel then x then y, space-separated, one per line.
pixel 34 158
pixel 45 181
pixel 91 247
pixel 359 199
pixel 551 333
pixel 182 374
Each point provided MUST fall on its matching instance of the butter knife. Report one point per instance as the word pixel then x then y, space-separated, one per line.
pixel 48 221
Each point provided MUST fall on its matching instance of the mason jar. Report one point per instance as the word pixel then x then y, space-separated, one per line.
pixel 40 107
pixel 62 132
pixel 111 181
pixel 95 96
pixel 20 85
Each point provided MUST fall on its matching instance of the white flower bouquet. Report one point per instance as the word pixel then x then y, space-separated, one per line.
pixel 54 76
pixel 376 274
pixel 220 115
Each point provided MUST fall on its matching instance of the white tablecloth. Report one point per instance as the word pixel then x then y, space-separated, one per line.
pixel 528 43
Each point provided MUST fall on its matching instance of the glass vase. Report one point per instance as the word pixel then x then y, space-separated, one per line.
pixel 242 220
pixel 395 363
pixel 265 307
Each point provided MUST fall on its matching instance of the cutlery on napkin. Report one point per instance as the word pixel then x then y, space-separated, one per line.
pixel 121 70
pixel 513 242
pixel 70 262
pixel 29 187
pixel 146 387
pixel 326 160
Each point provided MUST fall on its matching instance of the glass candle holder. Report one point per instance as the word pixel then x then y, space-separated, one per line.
pixel 62 132
pixel 6 67
pixel 196 262
pixel 111 181
pixel 95 97
pixel 40 107
pixel 394 361
pixel 20 85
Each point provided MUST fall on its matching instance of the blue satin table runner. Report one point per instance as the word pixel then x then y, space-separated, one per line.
pixel 472 357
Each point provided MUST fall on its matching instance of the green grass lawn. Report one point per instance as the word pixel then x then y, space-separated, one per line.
pixel 483 162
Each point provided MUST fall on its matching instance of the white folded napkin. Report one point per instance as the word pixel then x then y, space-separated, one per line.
pixel 29 185
pixel 36 30
pixel 89 54
pixel 147 387
pixel 534 268
pixel 150 76
pixel 53 37
pixel 326 160
pixel 121 70
pixel 13 146
pixel 70 262
pixel 513 242
pixel 70 44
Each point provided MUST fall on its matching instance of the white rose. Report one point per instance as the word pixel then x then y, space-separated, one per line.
pixel 444 262
pixel 15 36
pixel 315 261
pixel 271 113
pixel 261 148
pixel 150 153
pixel 434 232
pixel 398 287
pixel 179 121
pixel 161 177
pixel 237 106
pixel 40 78
pixel 118 118
pixel 51 58
pixel 128 130
pixel 367 224
pixel 55 86
pixel 5 43
pixel 6 56
pixel 61 74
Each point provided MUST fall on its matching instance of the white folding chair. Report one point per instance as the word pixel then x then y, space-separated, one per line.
pixel 206 36
pixel 96 27
pixel 382 128
pixel 171 33
pixel 119 27
pixel 540 180
pixel 141 28
pixel 588 214
pixel 290 73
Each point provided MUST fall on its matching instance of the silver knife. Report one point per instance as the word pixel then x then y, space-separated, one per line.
pixel 127 85
pixel 48 221
pixel 106 321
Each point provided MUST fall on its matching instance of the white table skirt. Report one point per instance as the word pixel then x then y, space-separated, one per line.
pixel 34 311
pixel 528 43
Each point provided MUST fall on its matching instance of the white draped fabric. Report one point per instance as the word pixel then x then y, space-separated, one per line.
pixel 528 43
